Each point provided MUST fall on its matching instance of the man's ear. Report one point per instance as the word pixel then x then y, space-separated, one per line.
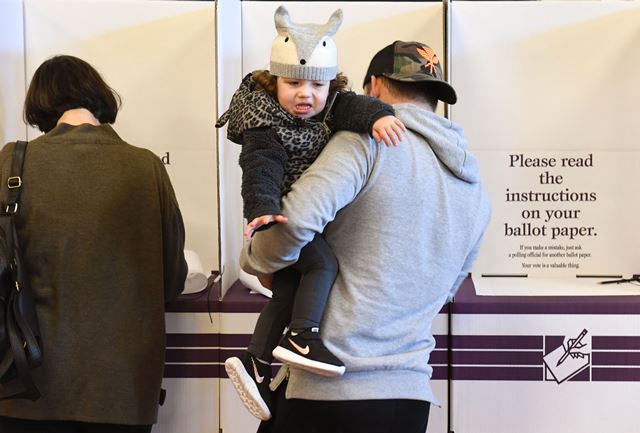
pixel 374 87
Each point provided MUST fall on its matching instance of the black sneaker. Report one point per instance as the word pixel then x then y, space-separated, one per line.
pixel 305 350
pixel 251 378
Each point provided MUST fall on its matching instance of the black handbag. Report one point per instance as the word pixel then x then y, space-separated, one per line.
pixel 20 350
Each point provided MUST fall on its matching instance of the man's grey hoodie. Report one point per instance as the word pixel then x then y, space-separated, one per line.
pixel 406 225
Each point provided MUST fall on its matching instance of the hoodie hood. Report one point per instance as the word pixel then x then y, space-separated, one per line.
pixel 445 138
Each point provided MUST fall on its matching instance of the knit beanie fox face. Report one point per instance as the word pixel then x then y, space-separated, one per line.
pixel 305 51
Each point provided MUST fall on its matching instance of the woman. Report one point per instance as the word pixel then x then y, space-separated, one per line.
pixel 103 243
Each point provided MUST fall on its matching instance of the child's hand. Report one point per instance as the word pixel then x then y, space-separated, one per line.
pixel 388 129
pixel 258 222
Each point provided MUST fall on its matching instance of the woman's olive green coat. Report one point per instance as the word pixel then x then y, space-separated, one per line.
pixel 103 242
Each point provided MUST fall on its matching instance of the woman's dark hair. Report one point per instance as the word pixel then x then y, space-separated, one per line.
pixel 339 84
pixel 63 83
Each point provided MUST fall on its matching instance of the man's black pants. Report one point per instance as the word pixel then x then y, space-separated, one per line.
pixel 357 416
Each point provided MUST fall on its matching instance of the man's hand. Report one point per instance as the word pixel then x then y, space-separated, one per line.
pixel 258 222
pixel 266 280
pixel 388 129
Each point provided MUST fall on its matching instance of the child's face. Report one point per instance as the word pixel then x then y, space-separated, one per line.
pixel 302 98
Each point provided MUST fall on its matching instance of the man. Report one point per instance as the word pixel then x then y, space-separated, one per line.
pixel 406 225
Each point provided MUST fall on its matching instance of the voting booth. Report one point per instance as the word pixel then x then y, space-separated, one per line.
pixel 538 345
pixel 160 57
pixel 366 28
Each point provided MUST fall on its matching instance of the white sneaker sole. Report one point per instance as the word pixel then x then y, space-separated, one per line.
pixel 246 389
pixel 295 360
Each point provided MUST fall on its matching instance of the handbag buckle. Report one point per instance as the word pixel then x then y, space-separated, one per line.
pixel 14 182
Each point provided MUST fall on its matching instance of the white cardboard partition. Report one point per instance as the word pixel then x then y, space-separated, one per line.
pixel 229 75
pixel 160 57
pixel 12 81
pixel 547 99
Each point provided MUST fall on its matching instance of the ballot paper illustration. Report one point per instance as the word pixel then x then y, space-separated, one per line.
pixel 570 358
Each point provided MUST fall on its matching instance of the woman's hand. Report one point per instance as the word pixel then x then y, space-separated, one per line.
pixel 258 222
pixel 388 129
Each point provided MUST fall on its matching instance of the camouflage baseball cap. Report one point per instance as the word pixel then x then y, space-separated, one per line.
pixel 412 62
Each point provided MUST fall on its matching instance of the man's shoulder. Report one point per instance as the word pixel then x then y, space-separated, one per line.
pixel 352 145
pixel 345 136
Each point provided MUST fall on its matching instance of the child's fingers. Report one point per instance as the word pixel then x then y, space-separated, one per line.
pixel 385 137
pixel 264 220
pixel 394 136
pixel 399 131
pixel 253 226
pixel 256 223
pixel 376 136
pixel 248 232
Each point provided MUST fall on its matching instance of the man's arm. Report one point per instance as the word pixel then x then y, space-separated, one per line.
pixel 328 185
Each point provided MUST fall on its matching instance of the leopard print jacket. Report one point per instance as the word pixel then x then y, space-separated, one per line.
pixel 278 147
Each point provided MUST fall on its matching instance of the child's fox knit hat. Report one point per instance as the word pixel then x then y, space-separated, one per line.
pixel 305 51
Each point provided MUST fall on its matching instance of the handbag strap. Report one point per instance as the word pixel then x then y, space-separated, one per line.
pixel 16 324
pixel 20 360
pixel 14 181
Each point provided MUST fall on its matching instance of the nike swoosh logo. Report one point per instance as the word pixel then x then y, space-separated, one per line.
pixel 259 378
pixel 304 350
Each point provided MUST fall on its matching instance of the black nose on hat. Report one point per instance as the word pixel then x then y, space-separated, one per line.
pixel 303 61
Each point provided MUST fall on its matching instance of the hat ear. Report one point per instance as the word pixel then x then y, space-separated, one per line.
pixel 281 19
pixel 332 26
